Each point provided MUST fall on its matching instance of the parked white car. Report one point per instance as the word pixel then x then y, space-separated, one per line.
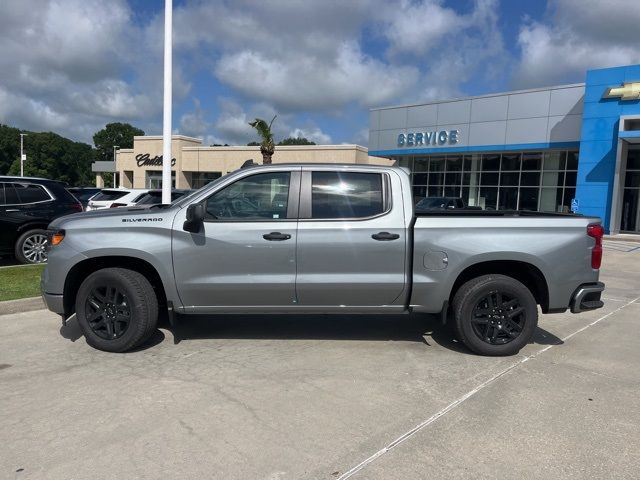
pixel 115 197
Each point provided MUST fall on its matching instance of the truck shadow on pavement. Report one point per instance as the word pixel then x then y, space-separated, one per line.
pixel 421 328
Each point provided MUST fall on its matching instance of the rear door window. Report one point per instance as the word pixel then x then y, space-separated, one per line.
pixel 346 195
pixel 11 197
pixel 108 195
pixel 31 193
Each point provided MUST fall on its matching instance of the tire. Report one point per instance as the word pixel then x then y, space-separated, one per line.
pixel 117 309
pixel 30 247
pixel 494 315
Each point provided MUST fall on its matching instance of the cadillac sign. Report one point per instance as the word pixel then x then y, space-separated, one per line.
pixel 436 138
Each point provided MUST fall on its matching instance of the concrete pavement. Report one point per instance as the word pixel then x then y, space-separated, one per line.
pixel 324 398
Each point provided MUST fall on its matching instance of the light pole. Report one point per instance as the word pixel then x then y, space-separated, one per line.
pixel 115 147
pixel 23 157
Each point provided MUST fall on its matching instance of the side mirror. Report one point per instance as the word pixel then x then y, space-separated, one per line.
pixel 195 217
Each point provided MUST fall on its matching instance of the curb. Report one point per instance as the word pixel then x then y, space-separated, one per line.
pixel 623 238
pixel 21 305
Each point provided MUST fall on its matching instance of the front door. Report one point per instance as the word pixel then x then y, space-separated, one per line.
pixel 351 239
pixel 244 256
pixel 630 220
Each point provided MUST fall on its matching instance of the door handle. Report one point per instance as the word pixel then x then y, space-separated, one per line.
pixel 385 236
pixel 12 210
pixel 276 236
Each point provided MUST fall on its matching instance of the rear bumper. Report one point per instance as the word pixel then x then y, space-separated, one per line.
pixel 587 297
pixel 54 302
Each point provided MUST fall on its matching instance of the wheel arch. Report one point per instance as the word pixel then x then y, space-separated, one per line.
pixel 83 269
pixel 526 273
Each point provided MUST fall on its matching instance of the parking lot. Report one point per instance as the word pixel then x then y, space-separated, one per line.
pixel 320 397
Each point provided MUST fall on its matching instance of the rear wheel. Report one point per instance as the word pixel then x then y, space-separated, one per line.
pixel 31 247
pixel 495 315
pixel 117 309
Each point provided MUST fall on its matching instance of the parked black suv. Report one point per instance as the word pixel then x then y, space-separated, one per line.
pixel 27 205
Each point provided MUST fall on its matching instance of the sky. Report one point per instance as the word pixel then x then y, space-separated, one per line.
pixel 72 66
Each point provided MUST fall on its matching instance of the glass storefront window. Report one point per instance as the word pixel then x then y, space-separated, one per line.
pixel 555 160
pixel 632 179
pixel 529 199
pixel 490 162
pixel 489 178
pixel 436 164
pixel 508 198
pixel 421 164
pixel 510 161
pixel 488 198
pixel 572 160
pixel 452 192
pixel 200 179
pixel 435 191
pixel 628 221
pixel 553 179
pixel 509 180
pixel 420 178
pixel 154 179
pixel 530 179
pixel 453 178
pixel 532 161
pixel 454 163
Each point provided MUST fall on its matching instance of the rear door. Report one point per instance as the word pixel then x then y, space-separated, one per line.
pixel 244 256
pixel 351 239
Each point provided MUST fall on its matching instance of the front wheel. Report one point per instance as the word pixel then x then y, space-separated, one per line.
pixel 117 309
pixel 495 315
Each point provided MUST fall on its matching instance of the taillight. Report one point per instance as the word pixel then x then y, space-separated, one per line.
pixel 76 207
pixel 596 231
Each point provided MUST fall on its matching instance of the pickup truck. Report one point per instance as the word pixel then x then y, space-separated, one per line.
pixel 331 239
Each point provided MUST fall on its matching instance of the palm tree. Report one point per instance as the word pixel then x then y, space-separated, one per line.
pixel 267 147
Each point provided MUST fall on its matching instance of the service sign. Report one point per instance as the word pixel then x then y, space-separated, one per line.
pixel 434 138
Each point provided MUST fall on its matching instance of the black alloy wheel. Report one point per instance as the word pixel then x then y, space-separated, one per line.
pixel 117 309
pixel 494 315
pixel 107 311
pixel 498 318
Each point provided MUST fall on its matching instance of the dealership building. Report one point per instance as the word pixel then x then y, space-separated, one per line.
pixel 194 165
pixel 559 149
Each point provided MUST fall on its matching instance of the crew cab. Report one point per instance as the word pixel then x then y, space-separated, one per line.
pixel 329 239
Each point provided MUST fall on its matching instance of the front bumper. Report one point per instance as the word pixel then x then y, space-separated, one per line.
pixel 587 297
pixel 54 302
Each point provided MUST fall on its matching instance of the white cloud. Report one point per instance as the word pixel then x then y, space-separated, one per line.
pixel 72 66
pixel 299 82
pixel 579 35
pixel 313 134
pixel 420 27
pixel 194 123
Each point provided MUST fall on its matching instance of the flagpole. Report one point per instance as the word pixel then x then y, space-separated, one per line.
pixel 166 120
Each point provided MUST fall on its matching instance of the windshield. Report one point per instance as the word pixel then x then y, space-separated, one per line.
pixel 185 200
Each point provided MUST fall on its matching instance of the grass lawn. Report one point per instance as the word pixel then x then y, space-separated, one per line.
pixel 20 282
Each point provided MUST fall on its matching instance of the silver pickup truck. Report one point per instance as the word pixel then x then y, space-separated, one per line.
pixel 319 239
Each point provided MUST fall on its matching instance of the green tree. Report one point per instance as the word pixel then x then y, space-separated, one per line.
pixel 9 147
pixel 120 134
pixel 51 156
pixel 267 147
pixel 296 141
pixel 253 144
